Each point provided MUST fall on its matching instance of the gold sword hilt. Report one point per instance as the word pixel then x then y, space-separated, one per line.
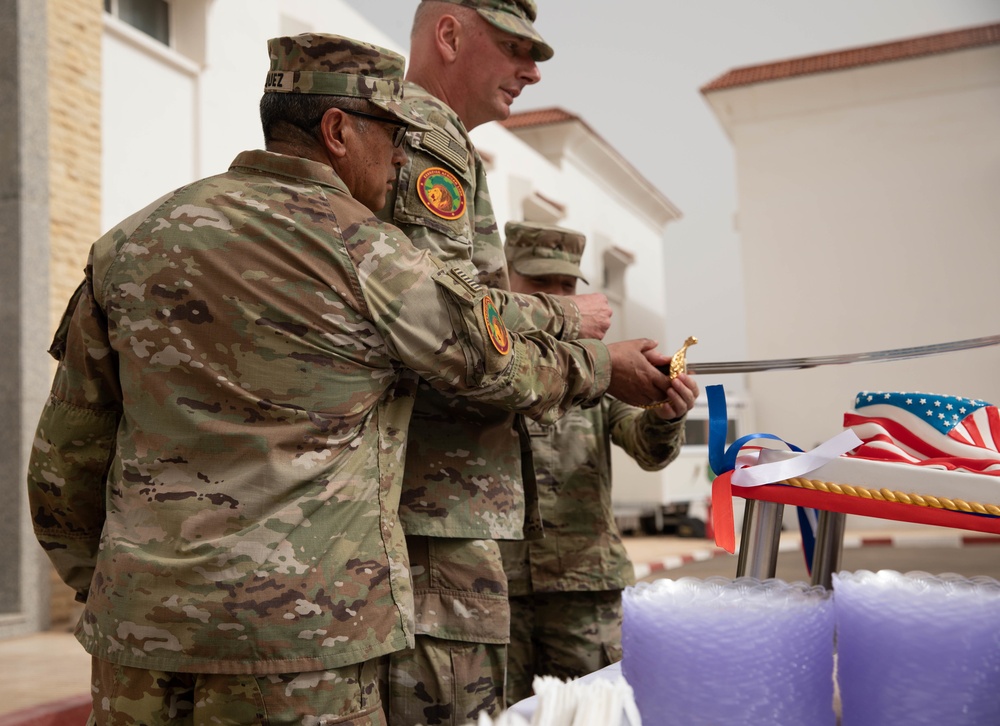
pixel 678 364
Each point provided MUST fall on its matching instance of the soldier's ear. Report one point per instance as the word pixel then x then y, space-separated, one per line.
pixel 332 132
pixel 447 34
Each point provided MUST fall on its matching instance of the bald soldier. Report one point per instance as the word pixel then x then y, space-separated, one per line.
pixel 566 589
pixel 217 469
pixel 468 480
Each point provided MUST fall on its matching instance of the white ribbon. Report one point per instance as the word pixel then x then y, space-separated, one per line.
pixel 755 476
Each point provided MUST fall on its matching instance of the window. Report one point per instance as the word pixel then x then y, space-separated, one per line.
pixel 541 209
pixel 152 17
pixel 696 431
pixel 616 263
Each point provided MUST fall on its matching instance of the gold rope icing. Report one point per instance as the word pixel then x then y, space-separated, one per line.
pixel 888 495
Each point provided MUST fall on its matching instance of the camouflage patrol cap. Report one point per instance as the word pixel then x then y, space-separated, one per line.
pixel 333 65
pixel 535 250
pixel 514 17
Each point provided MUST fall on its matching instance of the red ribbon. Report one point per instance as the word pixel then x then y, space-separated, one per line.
pixel 723 522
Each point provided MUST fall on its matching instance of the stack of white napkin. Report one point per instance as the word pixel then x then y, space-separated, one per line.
pixel 575 703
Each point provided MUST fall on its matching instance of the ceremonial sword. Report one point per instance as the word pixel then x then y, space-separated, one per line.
pixel 680 365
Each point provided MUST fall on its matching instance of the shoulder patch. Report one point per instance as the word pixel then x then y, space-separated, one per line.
pixel 441 192
pixel 495 327
pixel 445 148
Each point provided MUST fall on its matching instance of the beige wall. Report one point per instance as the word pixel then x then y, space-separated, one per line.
pixel 868 215
pixel 74 41
pixel 74 140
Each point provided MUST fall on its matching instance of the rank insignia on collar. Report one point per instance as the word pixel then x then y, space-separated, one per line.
pixel 495 327
pixel 441 192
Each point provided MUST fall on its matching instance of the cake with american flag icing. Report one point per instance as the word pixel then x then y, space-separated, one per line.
pixel 951 433
pixel 934 456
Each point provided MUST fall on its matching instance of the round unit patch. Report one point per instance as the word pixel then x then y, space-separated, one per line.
pixel 441 192
pixel 495 327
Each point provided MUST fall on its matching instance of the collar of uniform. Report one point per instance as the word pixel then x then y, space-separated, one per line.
pixel 293 167
pixel 425 104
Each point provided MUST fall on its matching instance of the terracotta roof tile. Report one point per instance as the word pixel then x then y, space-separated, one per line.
pixel 539 117
pixel 854 57
pixel 555 115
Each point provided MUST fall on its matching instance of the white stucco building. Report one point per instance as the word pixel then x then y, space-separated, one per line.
pixel 181 107
pixel 566 174
pixel 868 182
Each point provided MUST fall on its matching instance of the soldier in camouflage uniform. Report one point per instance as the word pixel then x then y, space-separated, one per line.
pixel 565 589
pixel 467 481
pixel 217 469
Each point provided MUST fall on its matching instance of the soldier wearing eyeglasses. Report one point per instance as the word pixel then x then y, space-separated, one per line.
pixel 217 469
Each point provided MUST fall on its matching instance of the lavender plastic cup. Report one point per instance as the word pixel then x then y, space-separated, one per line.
pixel 916 648
pixel 744 651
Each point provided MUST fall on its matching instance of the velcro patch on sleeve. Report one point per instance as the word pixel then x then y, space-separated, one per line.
pixel 445 148
pixel 495 327
pixel 441 193
pixel 434 197
pixel 480 330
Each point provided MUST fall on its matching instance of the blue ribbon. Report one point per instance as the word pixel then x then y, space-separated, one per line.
pixel 722 459
pixel 807 527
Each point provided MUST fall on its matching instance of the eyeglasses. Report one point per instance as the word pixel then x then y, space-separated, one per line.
pixel 398 133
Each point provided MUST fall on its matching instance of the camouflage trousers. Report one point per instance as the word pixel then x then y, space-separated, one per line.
pixel 445 682
pixel 561 634
pixel 456 670
pixel 347 696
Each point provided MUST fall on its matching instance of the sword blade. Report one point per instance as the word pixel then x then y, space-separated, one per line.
pixel 877 356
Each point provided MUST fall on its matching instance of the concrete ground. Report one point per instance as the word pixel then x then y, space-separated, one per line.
pixel 44 677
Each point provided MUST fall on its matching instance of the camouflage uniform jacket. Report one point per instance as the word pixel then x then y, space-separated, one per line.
pixel 582 548
pixel 463 474
pixel 218 467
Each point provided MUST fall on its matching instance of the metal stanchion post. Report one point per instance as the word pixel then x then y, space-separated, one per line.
pixel 829 547
pixel 758 556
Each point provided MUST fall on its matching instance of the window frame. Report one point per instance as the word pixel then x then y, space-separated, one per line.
pixel 113 8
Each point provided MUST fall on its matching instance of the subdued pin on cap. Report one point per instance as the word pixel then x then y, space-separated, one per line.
pixel 512 16
pixel 536 250
pixel 332 65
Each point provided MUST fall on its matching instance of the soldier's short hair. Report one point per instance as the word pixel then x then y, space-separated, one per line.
pixel 304 111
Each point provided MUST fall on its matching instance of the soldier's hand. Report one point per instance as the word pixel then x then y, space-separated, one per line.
pixel 634 377
pixel 595 314
pixel 680 398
